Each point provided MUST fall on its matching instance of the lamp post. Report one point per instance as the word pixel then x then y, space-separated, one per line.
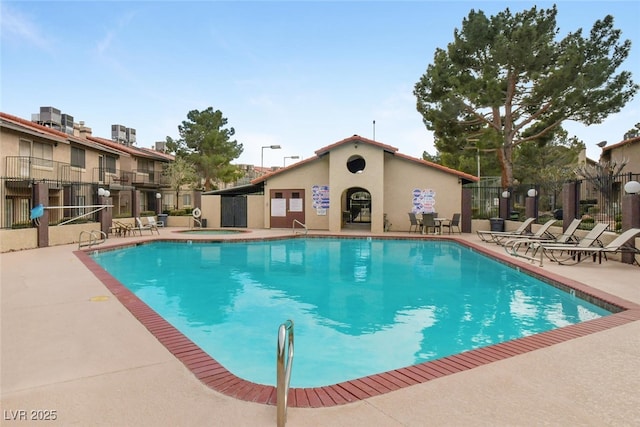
pixel 284 159
pixel 158 203
pixel 273 147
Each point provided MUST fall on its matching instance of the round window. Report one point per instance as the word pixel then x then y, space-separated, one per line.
pixel 356 164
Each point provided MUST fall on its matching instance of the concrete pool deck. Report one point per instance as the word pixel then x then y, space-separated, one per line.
pixel 68 345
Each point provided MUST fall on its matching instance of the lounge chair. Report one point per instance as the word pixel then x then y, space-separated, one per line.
pixel 555 250
pixel 542 233
pixel 142 227
pixel 623 243
pixel 513 245
pixel 151 220
pixel 121 229
pixel 496 236
pixel 415 223
pixel 454 222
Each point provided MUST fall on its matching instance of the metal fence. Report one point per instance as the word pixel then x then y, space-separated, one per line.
pixel 600 199
pixel 17 201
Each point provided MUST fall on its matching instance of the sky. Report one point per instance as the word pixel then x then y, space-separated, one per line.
pixel 299 74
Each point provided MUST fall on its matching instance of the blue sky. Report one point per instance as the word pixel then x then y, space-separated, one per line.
pixel 300 74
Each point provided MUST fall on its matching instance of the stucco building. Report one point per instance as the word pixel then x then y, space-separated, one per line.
pixel 353 182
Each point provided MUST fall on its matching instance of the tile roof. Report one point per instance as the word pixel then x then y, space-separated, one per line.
pixel 356 138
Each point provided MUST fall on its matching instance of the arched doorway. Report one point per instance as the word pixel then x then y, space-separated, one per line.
pixel 356 208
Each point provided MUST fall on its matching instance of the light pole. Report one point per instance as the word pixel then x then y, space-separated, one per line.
pixel 273 147
pixel 284 160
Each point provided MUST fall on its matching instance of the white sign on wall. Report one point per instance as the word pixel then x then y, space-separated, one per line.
pixel 424 201
pixel 278 207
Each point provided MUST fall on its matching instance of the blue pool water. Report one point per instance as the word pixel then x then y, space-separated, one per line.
pixel 360 306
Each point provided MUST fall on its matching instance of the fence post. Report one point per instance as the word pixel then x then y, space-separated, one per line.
pixel 41 196
pixel 570 200
pixel 467 212
pixel 630 219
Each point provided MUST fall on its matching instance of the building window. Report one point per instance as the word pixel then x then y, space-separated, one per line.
pixel 44 152
pixel 186 199
pixel 356 164
pixel 77 157
pixel 110 164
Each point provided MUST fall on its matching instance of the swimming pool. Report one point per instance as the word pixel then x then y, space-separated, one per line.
pixel 393 303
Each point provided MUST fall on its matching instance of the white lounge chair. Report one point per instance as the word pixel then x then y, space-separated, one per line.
pixel 142 227
pixel 554 251
pixel 151 220
pixel 513 245
pixel 623 243
pixel 497 236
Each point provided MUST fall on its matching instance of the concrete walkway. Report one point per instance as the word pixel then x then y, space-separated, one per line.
pixel 70 348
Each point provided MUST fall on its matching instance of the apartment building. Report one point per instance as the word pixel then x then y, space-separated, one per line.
pixel 74 164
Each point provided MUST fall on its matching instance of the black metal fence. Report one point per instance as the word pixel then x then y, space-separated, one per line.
pixel 600 200
pixel 66 201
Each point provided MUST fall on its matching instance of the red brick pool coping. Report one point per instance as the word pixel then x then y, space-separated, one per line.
pixel 218 378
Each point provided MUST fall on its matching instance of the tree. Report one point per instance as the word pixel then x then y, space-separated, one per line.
pixel 206 142
pixel 180 173
pixel 506 80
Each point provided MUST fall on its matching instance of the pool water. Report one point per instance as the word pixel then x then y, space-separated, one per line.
pixel 360 306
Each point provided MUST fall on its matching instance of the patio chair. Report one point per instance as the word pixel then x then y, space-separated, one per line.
pixel 542 233
pixel 142 227
pixel 453 222
pixel 555 250
pixel 429 222
pixel 121 229
pixel 623 243
pixel 513 245
pixel 151 220
pixel 491 236
pixel 414 223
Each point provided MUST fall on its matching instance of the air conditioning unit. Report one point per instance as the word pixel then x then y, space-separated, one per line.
pixel 50 115
pixel 131 136
pixel 118 133
pixel 67 124
pixel 161 146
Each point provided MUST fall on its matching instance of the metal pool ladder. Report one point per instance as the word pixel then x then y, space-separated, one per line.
pixel 295 221
pixel 283 369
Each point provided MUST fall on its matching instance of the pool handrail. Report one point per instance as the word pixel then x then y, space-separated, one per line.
pixel 303 226
pixel 283 370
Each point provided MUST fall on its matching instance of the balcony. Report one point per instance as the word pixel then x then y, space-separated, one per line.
pixel 148 179
pixel 113 178
pixel 28 168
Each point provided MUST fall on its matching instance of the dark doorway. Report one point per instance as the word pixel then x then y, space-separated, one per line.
pixel 233 211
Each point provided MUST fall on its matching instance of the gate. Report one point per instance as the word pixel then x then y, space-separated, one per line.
pixel 234 211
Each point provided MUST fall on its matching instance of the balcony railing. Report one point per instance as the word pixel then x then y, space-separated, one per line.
pixel 148 178
pixel 26 167
pixel 112 177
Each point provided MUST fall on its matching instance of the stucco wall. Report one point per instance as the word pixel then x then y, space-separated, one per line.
pixel 371 178
pixel 211 205
pixel 255 211
pixel 404 176
pixel 302 177
pixel 27 238
pixel 16 240
pixel 390 180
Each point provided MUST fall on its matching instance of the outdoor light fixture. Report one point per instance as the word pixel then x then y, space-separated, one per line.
pixel 632 187
pixel 532 192
pixel 284 160
pixel 158 196
pixel 273 147
pixel 101 191
pixel 505 194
